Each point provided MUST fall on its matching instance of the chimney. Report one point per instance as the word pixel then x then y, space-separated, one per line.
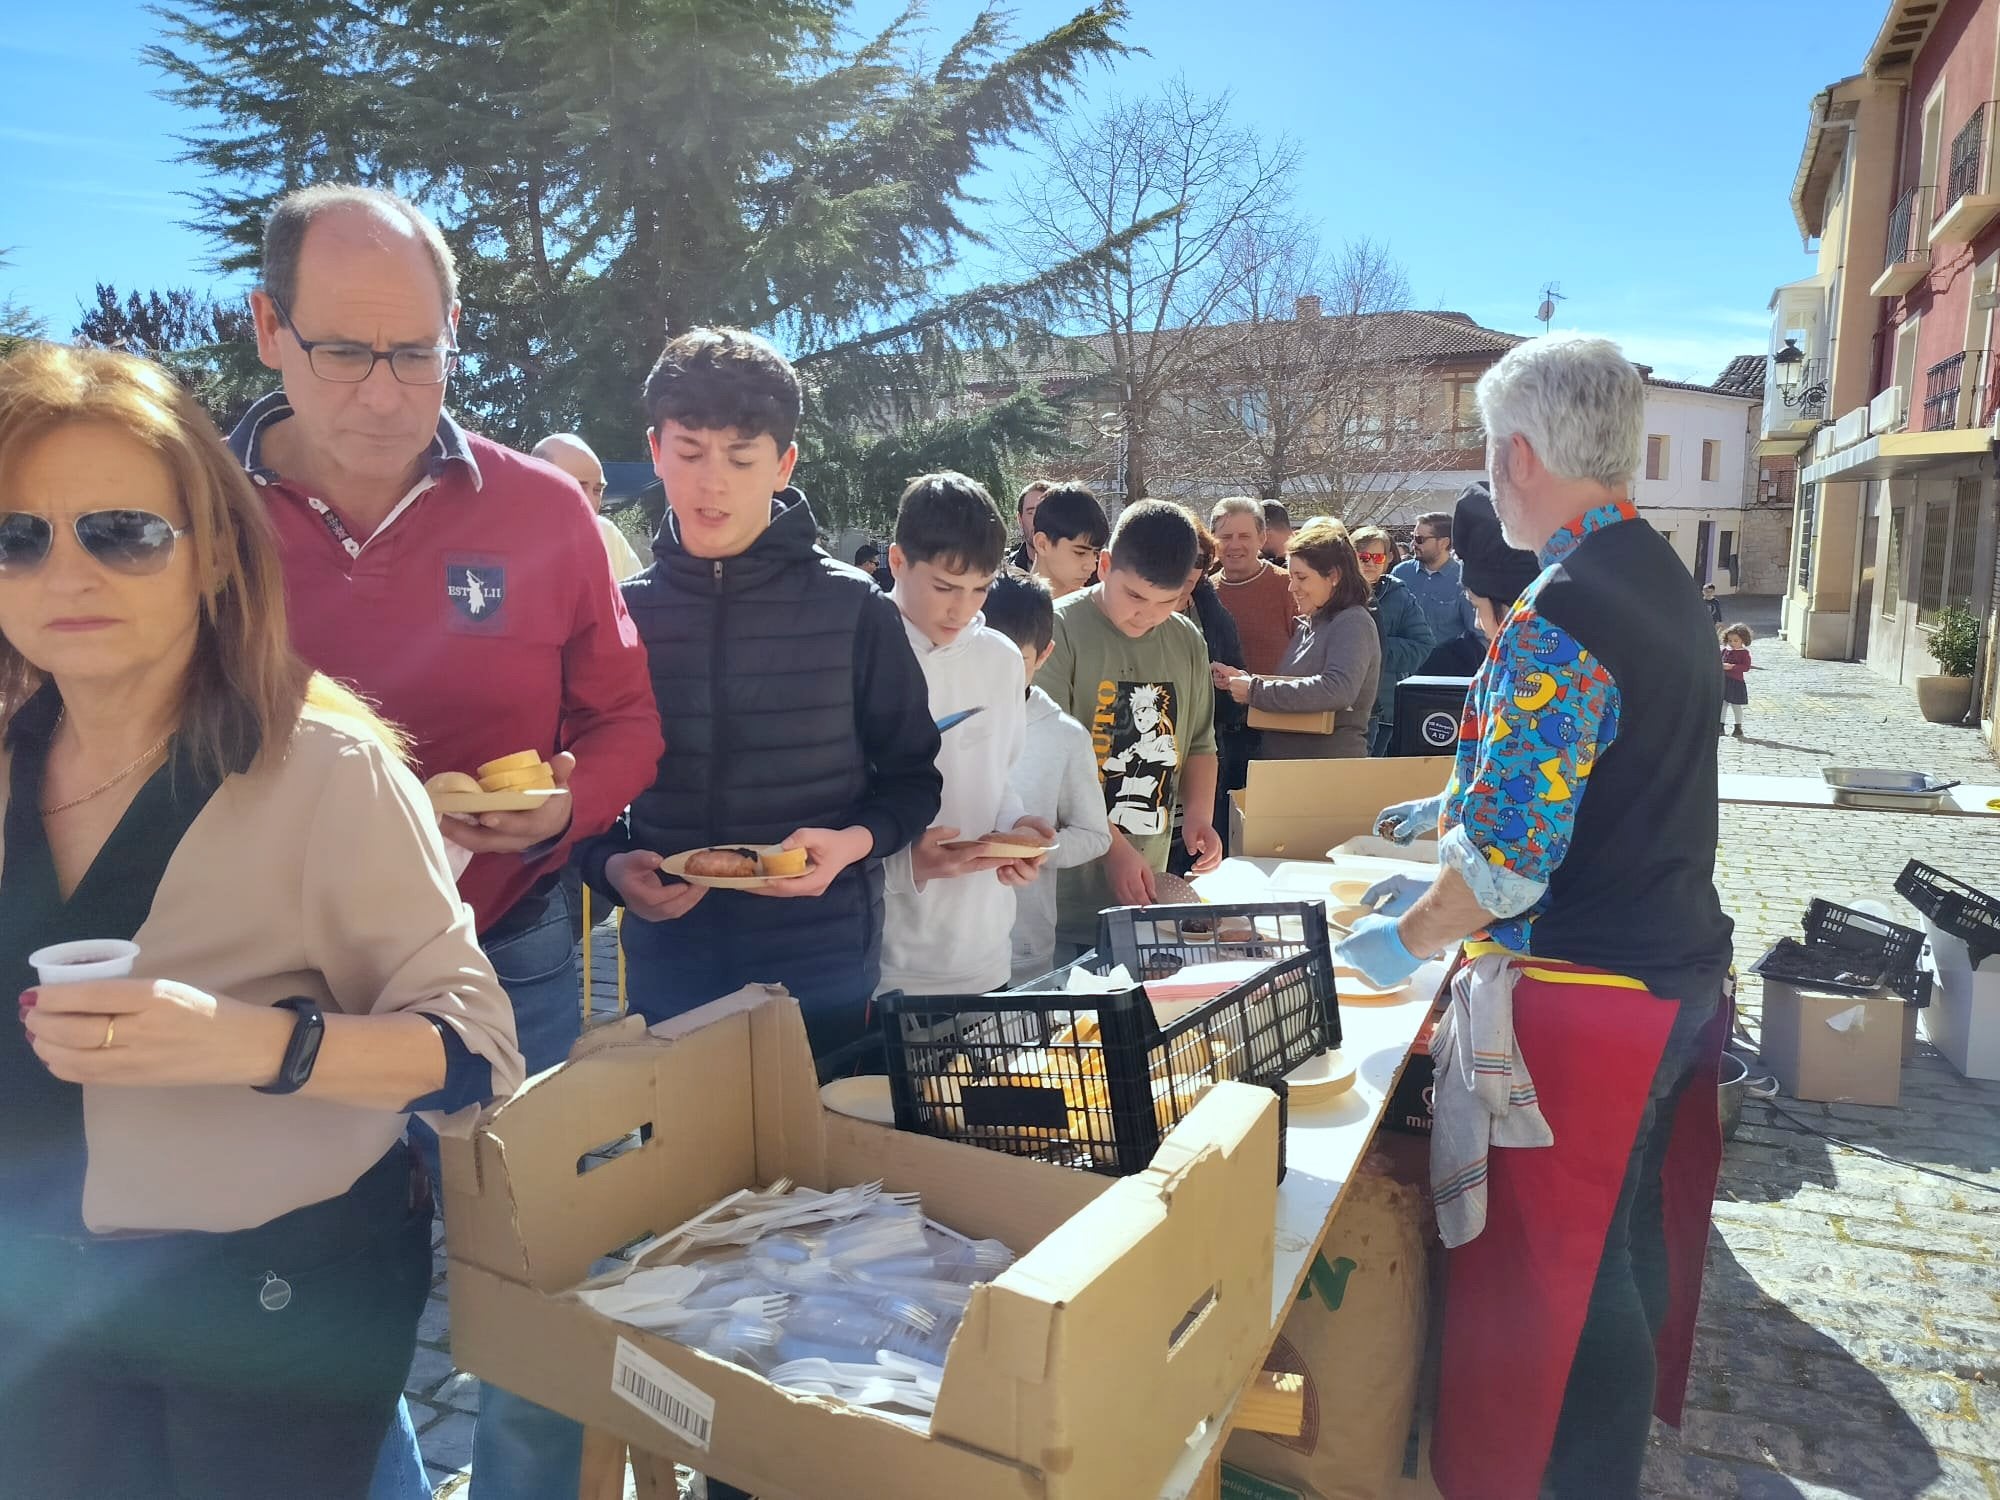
pixel 1307 309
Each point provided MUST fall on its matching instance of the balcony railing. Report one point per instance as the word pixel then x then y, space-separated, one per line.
pixel 1903 240
pixel 1968 151
pixel 1948 403
pixel 1943 385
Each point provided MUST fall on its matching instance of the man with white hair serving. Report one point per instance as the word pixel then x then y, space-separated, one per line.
pixel 576 458
pixel 1576 860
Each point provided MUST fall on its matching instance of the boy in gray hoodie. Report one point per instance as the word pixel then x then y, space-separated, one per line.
pixel 1055 779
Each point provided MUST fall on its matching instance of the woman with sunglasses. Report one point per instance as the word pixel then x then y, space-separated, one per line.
pixel 1406 636
pixel 213 1249
pixel 1332 662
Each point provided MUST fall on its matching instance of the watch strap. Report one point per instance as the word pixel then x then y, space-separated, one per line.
pixel 302 1051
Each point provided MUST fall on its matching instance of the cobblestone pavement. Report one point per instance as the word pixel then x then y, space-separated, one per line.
pixel 1850 1333
pixel 1849 1341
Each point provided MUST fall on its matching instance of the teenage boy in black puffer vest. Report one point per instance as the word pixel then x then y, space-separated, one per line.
pixel 793 707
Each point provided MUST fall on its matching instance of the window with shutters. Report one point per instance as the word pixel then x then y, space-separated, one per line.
pixel 1656 456
pixel 1711 459
pixel 1892 565
pixel 1931 566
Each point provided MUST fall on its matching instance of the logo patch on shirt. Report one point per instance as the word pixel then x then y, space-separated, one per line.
pixel 1132 732
pixel 477 589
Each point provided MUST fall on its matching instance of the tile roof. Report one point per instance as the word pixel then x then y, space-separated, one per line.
pixel 1399 335
pixel 1744 376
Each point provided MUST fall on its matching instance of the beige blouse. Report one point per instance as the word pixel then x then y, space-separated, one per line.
pixel 321 873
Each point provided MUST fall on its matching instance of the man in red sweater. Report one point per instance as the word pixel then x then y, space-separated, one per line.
pixel 459 585
pixel 1253 591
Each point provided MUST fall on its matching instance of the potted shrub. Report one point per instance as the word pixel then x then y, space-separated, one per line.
pixel 1954 644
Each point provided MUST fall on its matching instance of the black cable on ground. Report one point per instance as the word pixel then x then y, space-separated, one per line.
pixel 1894 1161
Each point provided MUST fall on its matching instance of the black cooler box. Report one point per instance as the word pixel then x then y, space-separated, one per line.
pixel 1428 711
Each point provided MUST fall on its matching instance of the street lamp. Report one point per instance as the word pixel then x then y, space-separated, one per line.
pixel 1788 365
pixel 1788 372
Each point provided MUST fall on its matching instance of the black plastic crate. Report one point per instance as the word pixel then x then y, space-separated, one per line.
pixel 1888 947
pixel 1156 942
pixel 1094 1081
pixel 1964 911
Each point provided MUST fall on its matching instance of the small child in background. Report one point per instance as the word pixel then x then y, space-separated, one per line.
pixel 1714 606
pixel 1056 777
pixel 1735 662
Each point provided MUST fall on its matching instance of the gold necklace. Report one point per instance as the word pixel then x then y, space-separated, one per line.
pixel 99 790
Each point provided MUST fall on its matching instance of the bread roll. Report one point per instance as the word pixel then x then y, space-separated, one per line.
pixel 520 760
pixel 782 862
pixel 533 778
pixel 1017 838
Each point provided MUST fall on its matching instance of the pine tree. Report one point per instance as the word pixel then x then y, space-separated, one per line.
pixel 610 171
pixel 17 324
pixel 209 345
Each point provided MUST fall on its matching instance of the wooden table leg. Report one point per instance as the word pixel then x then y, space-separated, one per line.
pixel 653 1476
pixel 603 1466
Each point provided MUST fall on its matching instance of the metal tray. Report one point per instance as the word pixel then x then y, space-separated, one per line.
pixel 1885 788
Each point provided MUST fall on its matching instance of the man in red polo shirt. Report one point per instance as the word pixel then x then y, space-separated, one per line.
pixel 459 585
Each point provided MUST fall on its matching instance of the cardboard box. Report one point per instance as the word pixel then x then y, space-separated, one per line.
pixel 1963 1018
pixel 1822 1045
pixel 1299 809
pixel 1137 1309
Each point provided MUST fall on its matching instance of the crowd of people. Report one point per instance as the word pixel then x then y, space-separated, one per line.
pixel 227 667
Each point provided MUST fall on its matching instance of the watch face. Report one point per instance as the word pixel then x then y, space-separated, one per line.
pixel 308 1053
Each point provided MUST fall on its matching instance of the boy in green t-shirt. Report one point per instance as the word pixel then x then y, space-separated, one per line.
pixel 1134 672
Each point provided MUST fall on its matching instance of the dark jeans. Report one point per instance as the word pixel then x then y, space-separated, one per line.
pixel 156 1367
pixel 1607 1410
pixel 835 1005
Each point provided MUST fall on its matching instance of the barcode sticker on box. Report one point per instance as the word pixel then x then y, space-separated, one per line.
pixel 662 1395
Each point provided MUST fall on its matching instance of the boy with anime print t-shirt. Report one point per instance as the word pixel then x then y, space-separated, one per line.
pixel 1134 672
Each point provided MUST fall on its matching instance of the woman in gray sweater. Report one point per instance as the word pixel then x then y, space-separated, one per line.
pixel 1335 658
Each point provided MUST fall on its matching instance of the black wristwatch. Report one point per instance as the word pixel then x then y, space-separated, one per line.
pixel 307 1033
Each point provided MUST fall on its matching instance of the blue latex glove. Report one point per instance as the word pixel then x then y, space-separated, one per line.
pixel 1395 895
pixel 1376 949
pixel 1407 822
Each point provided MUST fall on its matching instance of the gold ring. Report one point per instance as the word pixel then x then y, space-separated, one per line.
pixel 110 1026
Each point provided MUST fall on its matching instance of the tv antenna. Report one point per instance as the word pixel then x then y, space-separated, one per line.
pixel 1551 295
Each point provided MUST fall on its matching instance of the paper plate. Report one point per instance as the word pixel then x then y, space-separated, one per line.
pixel 1351 989
pixel 523 800
pixel 676 865
pixel 863 1098
pixel 989 849
pixel 1321 1077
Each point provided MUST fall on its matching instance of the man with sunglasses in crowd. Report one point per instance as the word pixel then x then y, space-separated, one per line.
pixel 1434 577
pixel 462 588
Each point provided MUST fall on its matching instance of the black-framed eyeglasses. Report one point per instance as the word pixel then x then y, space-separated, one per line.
pixel 134 542
pixel 350 364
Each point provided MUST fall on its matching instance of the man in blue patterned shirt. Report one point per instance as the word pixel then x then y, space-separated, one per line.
pixel 1577 840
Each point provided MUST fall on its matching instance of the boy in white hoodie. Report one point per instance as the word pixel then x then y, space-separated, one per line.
pixel 1056 778
pixel 947 913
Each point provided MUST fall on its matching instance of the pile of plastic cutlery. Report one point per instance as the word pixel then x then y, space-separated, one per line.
pixel 852 1294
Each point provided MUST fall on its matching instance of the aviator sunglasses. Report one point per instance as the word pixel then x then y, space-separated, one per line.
pixel 125 541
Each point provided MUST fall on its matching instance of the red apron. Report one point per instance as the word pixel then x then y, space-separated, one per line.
pixel 1515 1297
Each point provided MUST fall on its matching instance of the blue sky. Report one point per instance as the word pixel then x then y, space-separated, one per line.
pixel 1639 157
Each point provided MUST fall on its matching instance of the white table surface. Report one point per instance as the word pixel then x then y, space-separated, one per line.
pixel 1966 801
pixel 1324 1143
